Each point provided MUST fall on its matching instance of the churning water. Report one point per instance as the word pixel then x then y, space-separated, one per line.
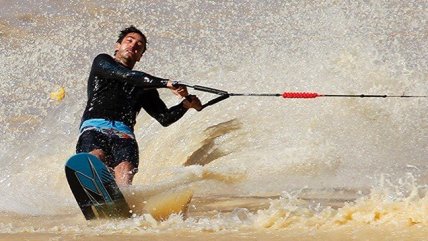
pixel 253 163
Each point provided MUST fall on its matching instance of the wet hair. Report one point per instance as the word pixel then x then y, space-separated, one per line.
pixel 131 29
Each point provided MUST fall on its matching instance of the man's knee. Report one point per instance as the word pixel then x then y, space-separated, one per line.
pixel 126 167
pixel 99 153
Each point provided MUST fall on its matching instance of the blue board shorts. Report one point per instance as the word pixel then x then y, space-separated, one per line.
pixel 117 144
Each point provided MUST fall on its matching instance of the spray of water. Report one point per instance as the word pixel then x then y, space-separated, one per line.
pixel 245 147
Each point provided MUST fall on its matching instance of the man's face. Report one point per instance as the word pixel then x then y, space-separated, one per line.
pixel 131 48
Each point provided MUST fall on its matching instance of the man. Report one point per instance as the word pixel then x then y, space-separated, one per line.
pixel 116 94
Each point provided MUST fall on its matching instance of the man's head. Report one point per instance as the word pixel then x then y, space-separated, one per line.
pixel 130 46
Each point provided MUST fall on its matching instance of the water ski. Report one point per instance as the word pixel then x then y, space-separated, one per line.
pixel 94 188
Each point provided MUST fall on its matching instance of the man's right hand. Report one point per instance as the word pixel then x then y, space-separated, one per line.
pixel 191 101
pixel 177 89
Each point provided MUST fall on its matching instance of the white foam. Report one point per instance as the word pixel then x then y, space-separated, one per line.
pixel 329 47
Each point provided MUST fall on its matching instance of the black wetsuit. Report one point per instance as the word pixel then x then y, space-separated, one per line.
pixel 117 94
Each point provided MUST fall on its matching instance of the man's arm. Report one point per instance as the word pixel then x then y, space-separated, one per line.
pixel 156 108
pixel 106 67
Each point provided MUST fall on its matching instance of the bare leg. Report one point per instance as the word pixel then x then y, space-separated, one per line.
pixel 98 153
pixel 124 173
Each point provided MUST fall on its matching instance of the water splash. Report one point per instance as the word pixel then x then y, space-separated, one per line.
pixel 263 146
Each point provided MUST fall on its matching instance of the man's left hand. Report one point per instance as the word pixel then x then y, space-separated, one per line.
pixel 192 101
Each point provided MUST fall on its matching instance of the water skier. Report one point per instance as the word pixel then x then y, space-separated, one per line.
pixel 116 95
